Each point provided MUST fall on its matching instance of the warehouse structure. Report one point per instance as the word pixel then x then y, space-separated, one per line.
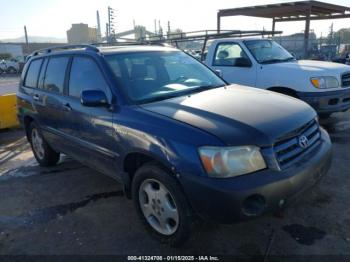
pixel 293 11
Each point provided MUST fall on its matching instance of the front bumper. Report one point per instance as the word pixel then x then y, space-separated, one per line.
pixel 240 198
pixel 329 101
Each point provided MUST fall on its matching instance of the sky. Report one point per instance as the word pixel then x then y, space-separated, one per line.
pixel 52 18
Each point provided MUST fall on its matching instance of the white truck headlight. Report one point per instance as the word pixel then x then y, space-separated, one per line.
pixel 323 82
pixel 223 162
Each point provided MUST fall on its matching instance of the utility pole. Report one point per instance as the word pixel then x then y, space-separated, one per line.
pixel 99 34
pixel 107 34
pixel 111 23
pixel 26 38
pixel 155 26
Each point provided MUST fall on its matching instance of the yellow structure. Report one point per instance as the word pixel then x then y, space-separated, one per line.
pixel 8 111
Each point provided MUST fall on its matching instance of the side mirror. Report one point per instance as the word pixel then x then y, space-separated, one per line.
pixel 242 62
pixel 218 72
pixel 93 98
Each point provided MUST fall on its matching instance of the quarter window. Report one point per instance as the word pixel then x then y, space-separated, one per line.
pixel 85 75
pixel 55 74
pixel 227 53
pixel 32 74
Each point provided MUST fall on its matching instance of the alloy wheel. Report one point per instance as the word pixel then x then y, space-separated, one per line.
pixel 38 144
pixel 158 207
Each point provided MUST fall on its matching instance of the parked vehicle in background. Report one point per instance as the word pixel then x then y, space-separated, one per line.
pixel 183 142
pixel 344 59
pixel 11 66
pixel 263 63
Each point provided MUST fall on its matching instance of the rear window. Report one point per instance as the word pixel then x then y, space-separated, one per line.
pixel 55 74
pixel 33 73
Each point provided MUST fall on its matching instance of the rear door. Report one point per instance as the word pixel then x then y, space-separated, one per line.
pixel 29 84
pixel 49 100
pixel 90 128
pixel 224 59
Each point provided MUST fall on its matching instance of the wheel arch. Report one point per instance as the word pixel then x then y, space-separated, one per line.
pixel 284 90
pixel 132 161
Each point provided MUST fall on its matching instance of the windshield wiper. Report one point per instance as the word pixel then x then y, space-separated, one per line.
pixel 203 88
pixel 271 61
pixel 289 59
pixel 178 94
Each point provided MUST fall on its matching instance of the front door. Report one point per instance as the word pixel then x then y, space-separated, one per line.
pixel 228 59
pixel 91 127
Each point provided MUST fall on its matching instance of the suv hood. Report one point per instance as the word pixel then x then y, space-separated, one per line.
pixel 238 115
pixel 319 68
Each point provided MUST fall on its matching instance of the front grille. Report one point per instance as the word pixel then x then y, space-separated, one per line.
pixel 345 80
pixel 288 149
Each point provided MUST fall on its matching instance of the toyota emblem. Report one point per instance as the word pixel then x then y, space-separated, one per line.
pixel 303 142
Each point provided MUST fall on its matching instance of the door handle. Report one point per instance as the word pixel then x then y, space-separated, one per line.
pixel 67 107
pixel 36 97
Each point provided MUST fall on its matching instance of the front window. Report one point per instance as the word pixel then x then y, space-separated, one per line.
pixel 267 51
pixel 227 54
pixel 152 76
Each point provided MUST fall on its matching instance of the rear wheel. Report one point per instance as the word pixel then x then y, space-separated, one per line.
pixel 43 153
pixel 161 205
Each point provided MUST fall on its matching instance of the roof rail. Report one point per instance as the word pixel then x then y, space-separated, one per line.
pixel 144 42
pixel 64 47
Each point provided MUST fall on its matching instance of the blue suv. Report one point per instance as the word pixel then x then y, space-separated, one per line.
pixel 183 143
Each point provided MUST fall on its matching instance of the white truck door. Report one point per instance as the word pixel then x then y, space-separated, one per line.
pixel 233 62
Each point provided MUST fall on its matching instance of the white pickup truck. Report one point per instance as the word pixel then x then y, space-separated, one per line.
pixel 263 63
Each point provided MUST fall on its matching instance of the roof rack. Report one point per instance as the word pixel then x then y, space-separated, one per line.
pixel 205 36
pixel 64 47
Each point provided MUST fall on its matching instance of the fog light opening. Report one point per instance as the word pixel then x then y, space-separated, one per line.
pixel 333 101
pixel 254 205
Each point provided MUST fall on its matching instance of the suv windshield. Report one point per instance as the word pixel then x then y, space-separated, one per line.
pixel 158 75
pixel 267 51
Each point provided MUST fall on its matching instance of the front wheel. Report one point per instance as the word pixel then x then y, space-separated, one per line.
pixel 324 116
pixel 43 153
pixel 161 205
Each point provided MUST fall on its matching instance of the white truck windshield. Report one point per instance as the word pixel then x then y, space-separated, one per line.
pixel 267 51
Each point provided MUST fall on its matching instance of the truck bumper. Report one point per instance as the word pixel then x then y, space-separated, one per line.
pixel 247 196
pixel 327 102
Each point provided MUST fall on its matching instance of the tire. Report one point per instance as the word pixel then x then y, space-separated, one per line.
pixel 324 116
pixel 11 70
pixel 43 153
pixel 288 93
pixel 166 203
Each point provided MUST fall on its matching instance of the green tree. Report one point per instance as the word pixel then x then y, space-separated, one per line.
pixel 343 35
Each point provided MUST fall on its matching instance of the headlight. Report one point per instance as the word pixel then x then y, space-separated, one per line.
pixel 323 82
pixel 222 162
